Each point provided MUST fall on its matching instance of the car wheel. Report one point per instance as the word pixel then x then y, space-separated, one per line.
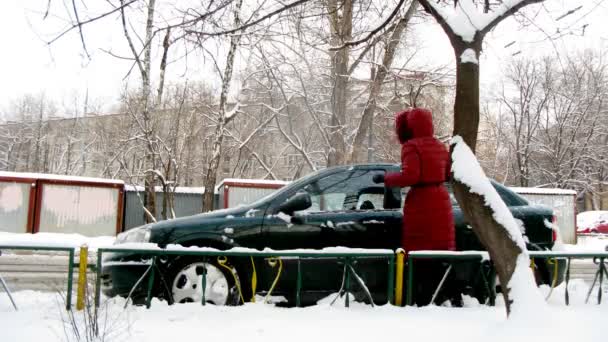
pixel 186 283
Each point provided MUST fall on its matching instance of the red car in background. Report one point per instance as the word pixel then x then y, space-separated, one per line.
pixel 592 222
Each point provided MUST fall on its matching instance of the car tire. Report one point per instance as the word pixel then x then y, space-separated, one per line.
pixel 183 282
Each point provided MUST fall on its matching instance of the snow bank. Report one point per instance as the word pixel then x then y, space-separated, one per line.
pixel 467 170
pixel 55 240
pixel 40 319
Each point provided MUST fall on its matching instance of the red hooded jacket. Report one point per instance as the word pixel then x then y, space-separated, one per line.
pixel 428 222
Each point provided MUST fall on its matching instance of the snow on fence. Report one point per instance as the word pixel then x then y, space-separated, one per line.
pixel 560 263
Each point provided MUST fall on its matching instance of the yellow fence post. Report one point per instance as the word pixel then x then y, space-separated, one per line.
pixel 82 277
pixel 399 277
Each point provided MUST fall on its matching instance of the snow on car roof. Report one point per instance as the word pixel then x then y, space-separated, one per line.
pixel 543 191
pixel 65 178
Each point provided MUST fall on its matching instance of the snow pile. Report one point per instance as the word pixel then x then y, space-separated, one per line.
pixel 40 319
pixel 55 240
pixel 467 170
pixel 591 219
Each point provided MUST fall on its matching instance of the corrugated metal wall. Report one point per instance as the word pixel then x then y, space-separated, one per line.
pixel 186 204
pixel 243 196
pixel 14 205
pixel 563 207
pixel 86 210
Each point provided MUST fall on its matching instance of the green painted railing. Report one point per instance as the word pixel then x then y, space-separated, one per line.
pixel 69 250
pixel 600 258
pixel 346 257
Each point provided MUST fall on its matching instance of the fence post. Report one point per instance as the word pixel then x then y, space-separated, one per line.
pixel 399 277
pixel 98 278
pixel 68 304
pixel 82 277
pixel 299 284
pixel 410 279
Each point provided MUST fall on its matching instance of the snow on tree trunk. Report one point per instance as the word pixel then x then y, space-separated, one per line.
pixel 483 205
pixel 466 25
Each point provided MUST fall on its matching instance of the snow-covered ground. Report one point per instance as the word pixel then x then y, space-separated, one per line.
pixel 41 317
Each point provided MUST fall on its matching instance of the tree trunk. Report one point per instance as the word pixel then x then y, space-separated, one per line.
pixel 501 247
pixel 211 177
pixel 378 78
pixel 341 22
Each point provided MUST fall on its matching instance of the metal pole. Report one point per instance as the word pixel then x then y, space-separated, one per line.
pixel 347 281
pixel 203 286
pixel 445 275
pixel 567 295
pixel 391 279
pixel 8 292
pixel 82 277
pixel 299 285
pixel 98 278
pixel 68 304
pixel 150 283
pixel 599 289
pixel 399 282
pixel 410 280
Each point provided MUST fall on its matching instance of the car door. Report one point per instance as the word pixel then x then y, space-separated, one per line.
pixel 348 209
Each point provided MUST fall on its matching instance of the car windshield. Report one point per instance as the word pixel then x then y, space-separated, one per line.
pixel 287 188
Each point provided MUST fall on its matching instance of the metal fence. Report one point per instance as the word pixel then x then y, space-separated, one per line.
pixel 346 257
pixel 394 267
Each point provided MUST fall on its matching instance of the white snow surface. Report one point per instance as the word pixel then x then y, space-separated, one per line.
pixel 177 190
pixel 591 219
pixel 252 181
pixel 467 170
pixel 469 56
pixel 55 240
pixel 466 18
pixel 41 317
pixel 46 176
pixel 542 191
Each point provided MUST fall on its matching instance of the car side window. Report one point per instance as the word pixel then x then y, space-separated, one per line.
pixel 347 190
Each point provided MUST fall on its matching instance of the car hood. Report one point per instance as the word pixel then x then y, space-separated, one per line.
pixel 172 231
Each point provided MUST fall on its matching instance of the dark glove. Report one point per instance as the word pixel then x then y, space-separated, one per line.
pixel 378 178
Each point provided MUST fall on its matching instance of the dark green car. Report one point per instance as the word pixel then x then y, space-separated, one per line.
pixel 338 206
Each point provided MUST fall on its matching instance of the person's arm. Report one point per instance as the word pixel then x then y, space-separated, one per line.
pixel 410 170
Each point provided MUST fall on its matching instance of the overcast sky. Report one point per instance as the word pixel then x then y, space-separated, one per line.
pixel 61 70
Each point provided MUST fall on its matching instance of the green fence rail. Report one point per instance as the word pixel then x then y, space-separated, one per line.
pixel 69 250
pixel 346 257
pixel 600 258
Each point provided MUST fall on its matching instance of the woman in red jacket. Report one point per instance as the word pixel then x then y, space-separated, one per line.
pixel 428 222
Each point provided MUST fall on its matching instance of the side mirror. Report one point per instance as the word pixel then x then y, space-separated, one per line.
pixel 300 201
